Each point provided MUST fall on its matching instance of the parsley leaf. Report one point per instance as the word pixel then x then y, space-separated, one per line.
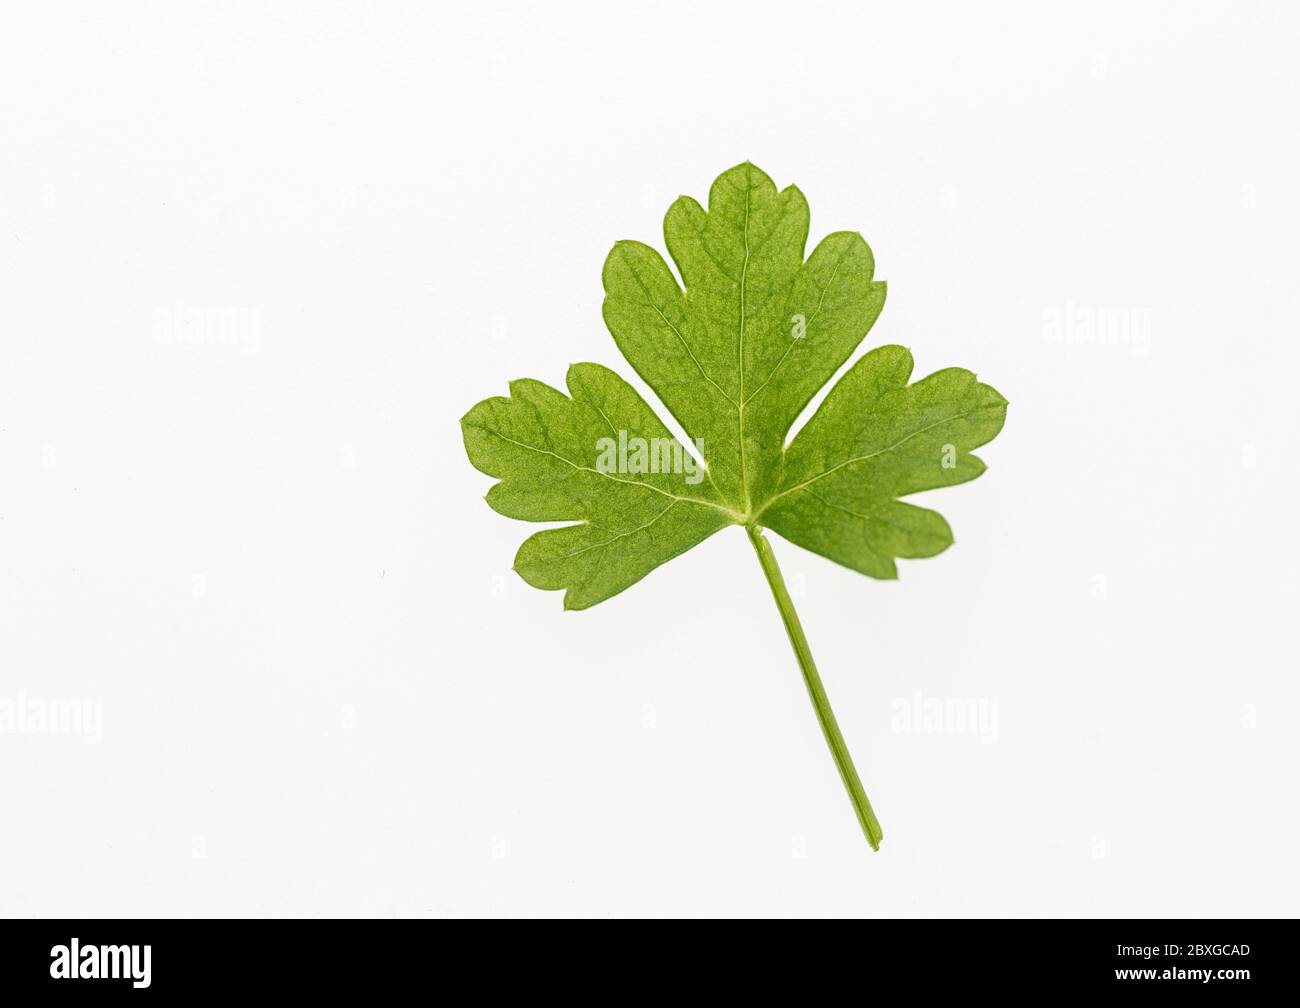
pixel 735 355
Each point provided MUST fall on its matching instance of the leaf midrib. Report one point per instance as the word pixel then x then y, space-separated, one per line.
pixel 864 458
pixel 649 486
pixel 740 398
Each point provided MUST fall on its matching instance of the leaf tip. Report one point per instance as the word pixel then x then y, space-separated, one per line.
pixel 571 606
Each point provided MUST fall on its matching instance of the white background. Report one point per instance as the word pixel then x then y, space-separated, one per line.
pixel 266 559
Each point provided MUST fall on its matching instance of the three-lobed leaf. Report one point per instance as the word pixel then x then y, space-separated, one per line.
pixel 735 352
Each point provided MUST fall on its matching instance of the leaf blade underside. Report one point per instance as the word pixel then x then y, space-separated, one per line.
pixel 736 351
pixel 540 444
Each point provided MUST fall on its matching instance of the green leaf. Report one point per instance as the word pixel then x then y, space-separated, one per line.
pixel 735 352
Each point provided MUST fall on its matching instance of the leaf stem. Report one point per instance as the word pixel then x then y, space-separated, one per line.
pixel 816 692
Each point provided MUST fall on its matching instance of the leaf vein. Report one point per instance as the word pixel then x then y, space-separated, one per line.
pixel 649 486
pixel 863 458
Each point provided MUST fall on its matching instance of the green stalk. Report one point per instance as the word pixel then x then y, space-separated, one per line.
pixel 816 692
